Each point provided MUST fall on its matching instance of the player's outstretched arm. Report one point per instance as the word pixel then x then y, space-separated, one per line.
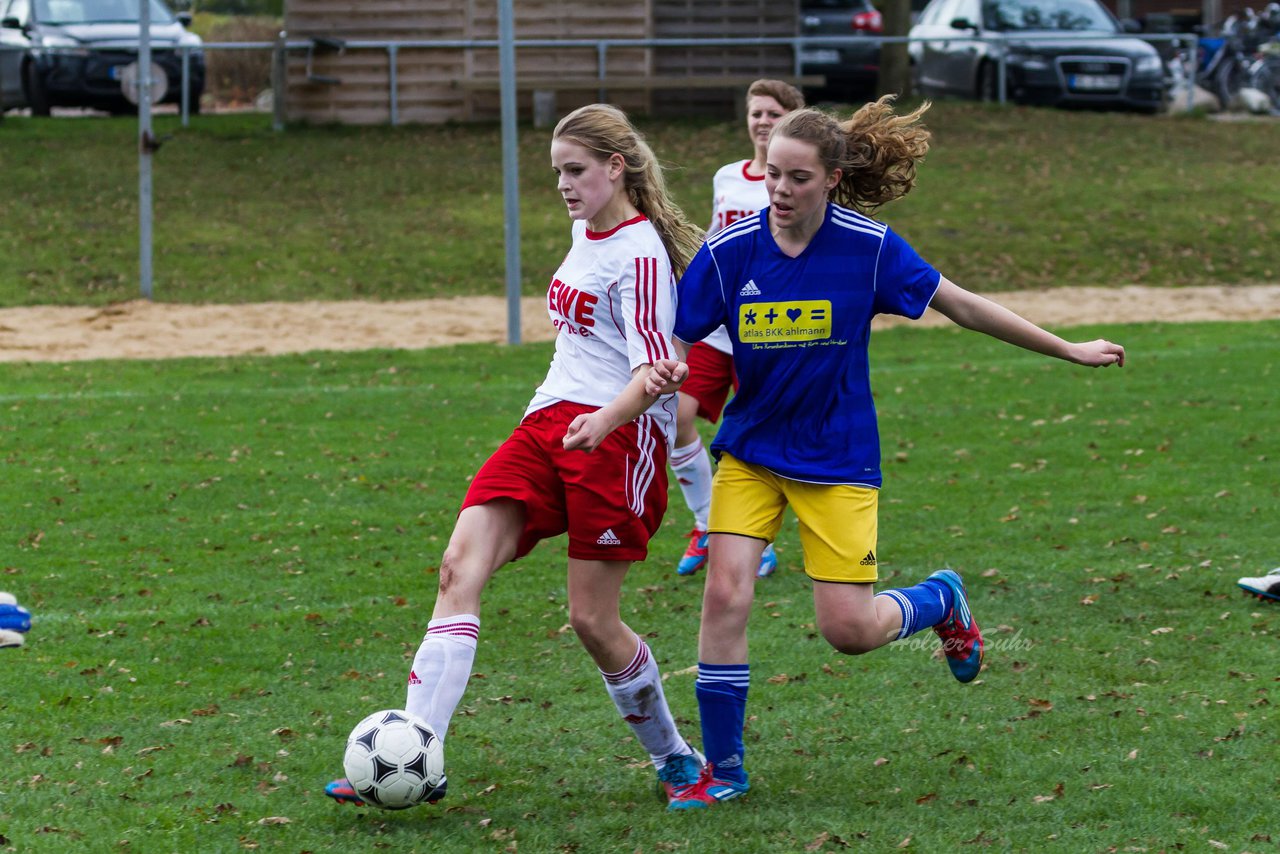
pixel 980 314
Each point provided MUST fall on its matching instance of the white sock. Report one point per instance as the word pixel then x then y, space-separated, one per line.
pixel 637 692
pixel 692 465
pixel 441 670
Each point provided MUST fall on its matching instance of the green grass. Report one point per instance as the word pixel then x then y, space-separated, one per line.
pixel 1009 198
pixel 231 561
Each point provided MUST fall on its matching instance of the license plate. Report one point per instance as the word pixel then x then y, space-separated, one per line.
pixel 1094 82
pixel 819 57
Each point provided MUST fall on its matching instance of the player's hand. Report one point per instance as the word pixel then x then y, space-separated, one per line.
pixel 1098 354
pixel 586 432
pixel 665 376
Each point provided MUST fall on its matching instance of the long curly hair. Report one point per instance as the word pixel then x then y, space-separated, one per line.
pixel 876 150
pixel 605 130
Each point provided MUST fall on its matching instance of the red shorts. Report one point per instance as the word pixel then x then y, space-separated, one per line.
pixel 610 501
pixel 711 375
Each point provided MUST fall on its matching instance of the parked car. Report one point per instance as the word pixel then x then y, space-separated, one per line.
pixel 1059 52
pixel 83 53
pixel 850 68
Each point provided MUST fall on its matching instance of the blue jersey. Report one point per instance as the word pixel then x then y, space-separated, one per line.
pixel 800 329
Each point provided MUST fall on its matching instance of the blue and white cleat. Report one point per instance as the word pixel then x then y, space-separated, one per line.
pixel 961 637
pixel 709 790
pixel 768 562
pixel 1264 586
pixel 14 617
pixel 716 789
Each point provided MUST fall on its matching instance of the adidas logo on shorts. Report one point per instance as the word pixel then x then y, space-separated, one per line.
pixel 749 289
pixel 608 538
pixel 869 560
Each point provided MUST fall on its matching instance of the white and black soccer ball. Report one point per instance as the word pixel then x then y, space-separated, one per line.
pixel 393 759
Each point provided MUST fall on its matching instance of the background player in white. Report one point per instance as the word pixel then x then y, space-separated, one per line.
pixel 738 191
pixel 613 302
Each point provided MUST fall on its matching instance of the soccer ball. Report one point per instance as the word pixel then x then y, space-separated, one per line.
pixel 393 759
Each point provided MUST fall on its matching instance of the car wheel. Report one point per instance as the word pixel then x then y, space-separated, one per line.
pixel 989 83
pixel 193 102
pixel 37 95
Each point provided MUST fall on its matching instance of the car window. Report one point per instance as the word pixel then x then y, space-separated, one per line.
pixel 943 12
pixel 1045 15
pixel 967 9
pixel 20 9
pixel 97 11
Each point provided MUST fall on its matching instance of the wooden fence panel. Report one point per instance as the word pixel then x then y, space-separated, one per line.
pixel 428 78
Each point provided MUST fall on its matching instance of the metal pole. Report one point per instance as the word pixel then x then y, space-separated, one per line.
pixel 279 81
pixel 392 84
pixel 186 86
pixel 510 165
pixel 602 65
pixel 1002 85
pixel 145 146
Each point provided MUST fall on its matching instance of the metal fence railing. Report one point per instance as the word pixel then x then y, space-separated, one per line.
pixel 285 46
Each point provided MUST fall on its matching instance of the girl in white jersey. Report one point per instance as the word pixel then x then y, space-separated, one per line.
pixel 738 192
pixel 589 456
pixel 797 287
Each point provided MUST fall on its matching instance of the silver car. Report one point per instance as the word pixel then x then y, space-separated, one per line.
pixel 1058 52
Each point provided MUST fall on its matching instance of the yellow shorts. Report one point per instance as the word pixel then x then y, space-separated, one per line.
pixel 838 523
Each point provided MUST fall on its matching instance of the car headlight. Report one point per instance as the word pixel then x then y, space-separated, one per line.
pixel 63 46
pixel 1148 65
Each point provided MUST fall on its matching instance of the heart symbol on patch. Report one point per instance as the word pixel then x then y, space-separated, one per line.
pixel 793 314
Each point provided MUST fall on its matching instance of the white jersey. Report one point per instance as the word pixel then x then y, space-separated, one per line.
pixel 735 195
pixel 613 302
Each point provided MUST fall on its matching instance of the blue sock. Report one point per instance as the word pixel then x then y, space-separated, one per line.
pixel 722 705
pixel 923 605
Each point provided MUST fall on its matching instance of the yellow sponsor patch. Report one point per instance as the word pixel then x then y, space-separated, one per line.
pixel 800 320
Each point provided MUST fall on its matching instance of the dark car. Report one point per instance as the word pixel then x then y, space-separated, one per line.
pixel 850 68
pixel 83 53
pixel 1058 52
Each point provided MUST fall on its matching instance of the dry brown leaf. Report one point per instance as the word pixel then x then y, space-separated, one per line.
pixel 818 841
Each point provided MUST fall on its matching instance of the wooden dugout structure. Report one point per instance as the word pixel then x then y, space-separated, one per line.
pixel 441 84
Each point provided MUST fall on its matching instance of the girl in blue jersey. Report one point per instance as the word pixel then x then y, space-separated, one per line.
pixel 797 286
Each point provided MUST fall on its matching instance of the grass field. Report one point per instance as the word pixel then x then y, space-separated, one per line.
pixel 231 561
pixel 1009 198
